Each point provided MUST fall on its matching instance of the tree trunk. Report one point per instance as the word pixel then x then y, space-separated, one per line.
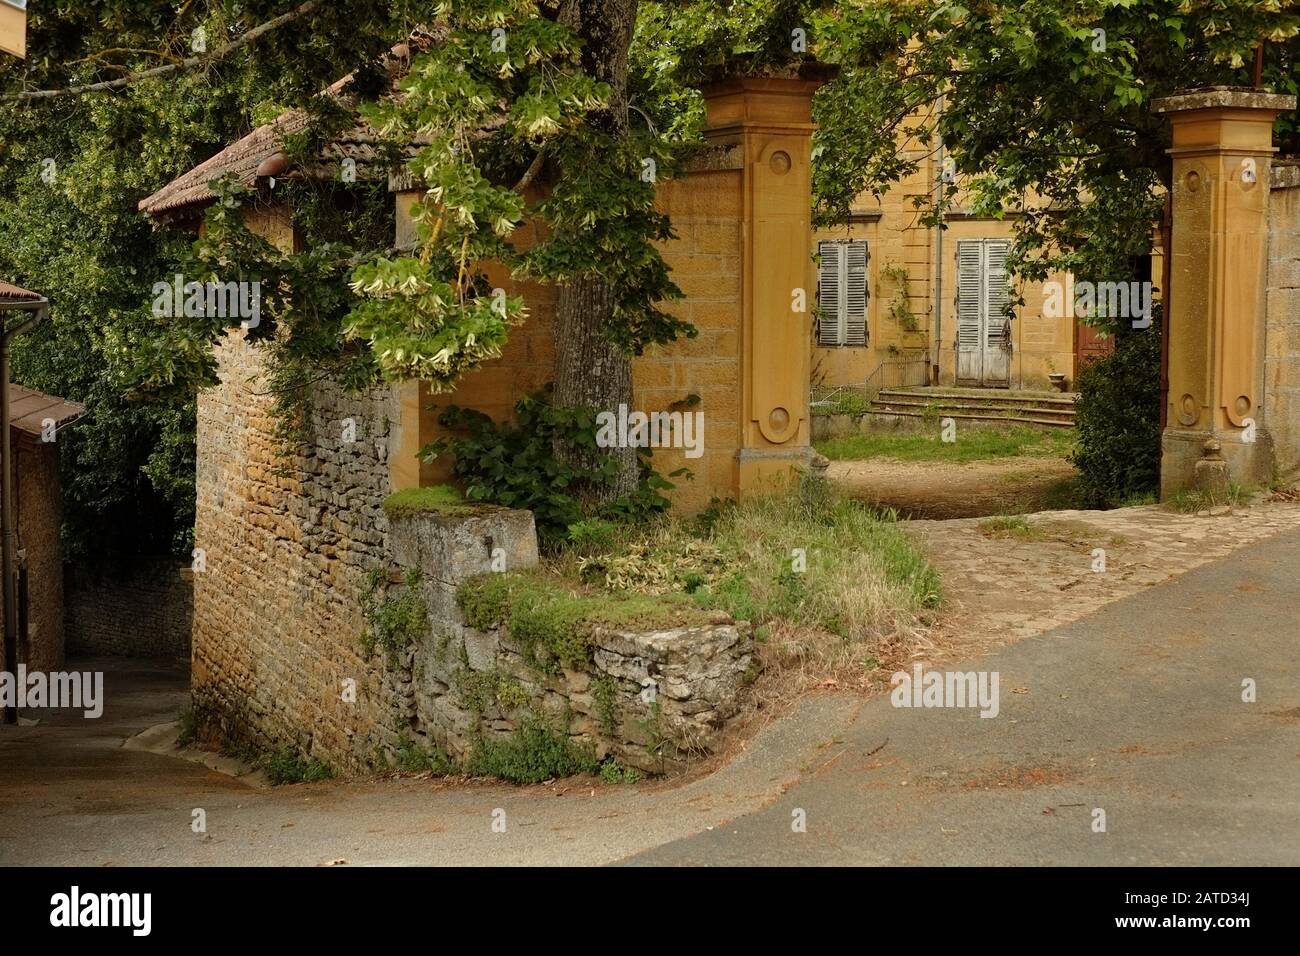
pixel 590 371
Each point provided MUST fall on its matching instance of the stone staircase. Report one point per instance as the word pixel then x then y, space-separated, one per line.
pixel 978 404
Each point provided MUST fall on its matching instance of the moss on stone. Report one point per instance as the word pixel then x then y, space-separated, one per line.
pixel 442 499
pixel 553 621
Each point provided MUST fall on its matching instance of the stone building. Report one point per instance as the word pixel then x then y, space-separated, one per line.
pixel 900 296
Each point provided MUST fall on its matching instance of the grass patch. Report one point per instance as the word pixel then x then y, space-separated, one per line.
pixel 972 444
pixel 1012 526
pixel 187 726
pixel 844 403
pixel 286 765
pixel 1192 501
pixel 552 620
pixel 436 498
pixel 825 580
pixel 412 758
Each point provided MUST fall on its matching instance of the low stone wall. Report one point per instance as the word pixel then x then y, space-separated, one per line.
pixel 651 699
pixel 142 608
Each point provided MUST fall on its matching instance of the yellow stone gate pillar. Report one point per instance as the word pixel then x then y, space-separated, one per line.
pixel 1222 149
pixel 769 119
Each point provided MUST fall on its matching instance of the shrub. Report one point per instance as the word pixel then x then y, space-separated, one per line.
pixel 513 463
pixel 533 753
pixel 393 622
pixel 412 758
pixel 286 765
pixel 1118 420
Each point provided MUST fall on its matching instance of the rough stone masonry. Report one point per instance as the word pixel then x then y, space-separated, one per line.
pixel 288 546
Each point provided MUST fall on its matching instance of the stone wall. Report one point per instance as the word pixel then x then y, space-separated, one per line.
pixel 287 543
pixel 141 608
pixel 39 508
pixel 705 205
pixel 289 547
pixel 651 699
pixel 1282 322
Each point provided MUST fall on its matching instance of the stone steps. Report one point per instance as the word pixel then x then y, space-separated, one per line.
pixel 986 405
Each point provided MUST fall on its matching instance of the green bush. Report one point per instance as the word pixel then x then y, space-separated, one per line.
pixel 533 753
pixel 412 758
pixel 393 622
pixel 513 463
pixel 286 765
pixel 1118 420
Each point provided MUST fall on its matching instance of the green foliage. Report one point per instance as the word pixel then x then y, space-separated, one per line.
pixel 413 758
pixel 513 463
pixel 604 692
pixel 1192 501
pixel 1118 421
pixel 128 465
pixel 287 765
pixel 394 621
pixel 534 753
pixel 187 726
pixel 553 623
pixel 612 772
pixel 591 534
pixel 481 690
pixel 900 306
pixel 413 501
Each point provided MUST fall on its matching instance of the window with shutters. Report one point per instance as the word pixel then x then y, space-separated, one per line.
pixel 842 293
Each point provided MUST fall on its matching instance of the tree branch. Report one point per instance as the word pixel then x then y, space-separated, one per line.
pixel 187 64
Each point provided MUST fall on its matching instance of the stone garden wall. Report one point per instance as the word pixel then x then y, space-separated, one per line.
pixel 296 550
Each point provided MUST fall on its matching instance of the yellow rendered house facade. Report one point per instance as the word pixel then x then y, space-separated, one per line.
pixel 898 298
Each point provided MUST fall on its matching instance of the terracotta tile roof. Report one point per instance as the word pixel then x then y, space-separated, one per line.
pixel 15 294
pixel 241 158
pixel 29 409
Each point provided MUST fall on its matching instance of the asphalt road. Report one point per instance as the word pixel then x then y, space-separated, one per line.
pixel 1136 710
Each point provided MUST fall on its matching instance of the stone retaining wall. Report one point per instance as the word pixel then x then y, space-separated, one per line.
pixel 651 699
pixel 294 548
pixel 1282 321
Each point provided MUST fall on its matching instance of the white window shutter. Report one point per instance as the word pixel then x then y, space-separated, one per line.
pixel 830 298
pixel 855 297
pixel 996 288
pixel 969 294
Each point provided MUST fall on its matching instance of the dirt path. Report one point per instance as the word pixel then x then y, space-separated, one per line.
pixel 936 490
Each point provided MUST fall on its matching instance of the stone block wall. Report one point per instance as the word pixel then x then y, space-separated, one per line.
pixel 289 547
pixel 705 204
pixel 651 699
pixel 1282 320
pixel 142 608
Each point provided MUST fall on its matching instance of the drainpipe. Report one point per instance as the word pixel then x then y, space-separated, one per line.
pixel 7 533
pixel 938 250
